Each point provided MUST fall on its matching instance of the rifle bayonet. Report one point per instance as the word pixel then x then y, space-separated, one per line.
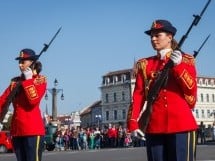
pixel 194 23
pixel 197 52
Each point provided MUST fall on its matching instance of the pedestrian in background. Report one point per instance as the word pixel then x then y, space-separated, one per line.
pixel 27 127
pixel 170 134
pixel 213 131
pixel 202 132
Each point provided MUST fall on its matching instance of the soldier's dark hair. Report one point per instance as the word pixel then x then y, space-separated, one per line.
pixel 38 66
pixel 174 44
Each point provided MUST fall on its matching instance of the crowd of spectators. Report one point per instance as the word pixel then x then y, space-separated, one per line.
pixel 204 134
pixel 95 138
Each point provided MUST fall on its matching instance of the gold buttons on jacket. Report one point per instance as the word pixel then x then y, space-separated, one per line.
pixel 165 98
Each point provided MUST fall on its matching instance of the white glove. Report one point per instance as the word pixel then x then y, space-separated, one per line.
pixel 176 57
pixel 139 134
pixel 28 73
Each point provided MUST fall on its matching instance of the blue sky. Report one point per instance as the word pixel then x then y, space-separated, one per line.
pixel 97 36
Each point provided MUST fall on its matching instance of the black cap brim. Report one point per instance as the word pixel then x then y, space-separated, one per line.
pixel 29 58
pixel 148 32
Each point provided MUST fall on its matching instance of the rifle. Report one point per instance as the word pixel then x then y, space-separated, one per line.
pixel 15 90
pixel 163 75
pixel 197 52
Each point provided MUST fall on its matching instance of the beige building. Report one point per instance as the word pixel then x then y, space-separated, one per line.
pixel 205 106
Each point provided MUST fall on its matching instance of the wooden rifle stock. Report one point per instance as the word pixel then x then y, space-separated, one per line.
pixel 16 89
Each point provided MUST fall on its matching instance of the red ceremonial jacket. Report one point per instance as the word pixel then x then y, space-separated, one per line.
pixel 172 109
pixel 27 119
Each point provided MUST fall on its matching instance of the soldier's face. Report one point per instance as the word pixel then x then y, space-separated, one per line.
pixel 161 40
pixel 23 64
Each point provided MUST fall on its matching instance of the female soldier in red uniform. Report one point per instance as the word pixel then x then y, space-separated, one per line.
pixel 170 134
pixel 27 128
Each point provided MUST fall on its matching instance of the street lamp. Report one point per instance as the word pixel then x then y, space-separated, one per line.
pixel 98 117
pixel 54 91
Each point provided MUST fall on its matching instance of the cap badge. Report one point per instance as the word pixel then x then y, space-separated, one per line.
pixel 156 25
pixel 22 55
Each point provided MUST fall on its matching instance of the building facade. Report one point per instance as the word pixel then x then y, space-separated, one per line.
pixel 116 90
pixel 205 106
pixel 91 116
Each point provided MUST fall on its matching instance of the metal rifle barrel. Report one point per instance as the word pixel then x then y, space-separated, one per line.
pixel 194 23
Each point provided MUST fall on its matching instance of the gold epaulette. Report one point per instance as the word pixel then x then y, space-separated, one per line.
pixel 188 59
pixel 141 64
pixel 31 89
pixel 13 82
pixel 40 79
pixel 15 79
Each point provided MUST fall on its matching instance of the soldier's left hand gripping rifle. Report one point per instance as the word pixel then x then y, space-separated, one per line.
pixel 14 91
pixel 162 77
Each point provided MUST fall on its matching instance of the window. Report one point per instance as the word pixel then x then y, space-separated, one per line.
pixel 208 113
pixel 202 98
pixel 123 78
pixel 203 114
pixel 197 113
pixel 123 95
pixel 213 98
pixel 206 82
pixel 114 97
pixel 207 97
pixel 106 98
pixel 212 82
pixel 200 81
pixel 123 114
pixel 107 115
pixel 213 114
pixel 111 79
pixel 115 114
pixel 115 79
pixel 107 81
